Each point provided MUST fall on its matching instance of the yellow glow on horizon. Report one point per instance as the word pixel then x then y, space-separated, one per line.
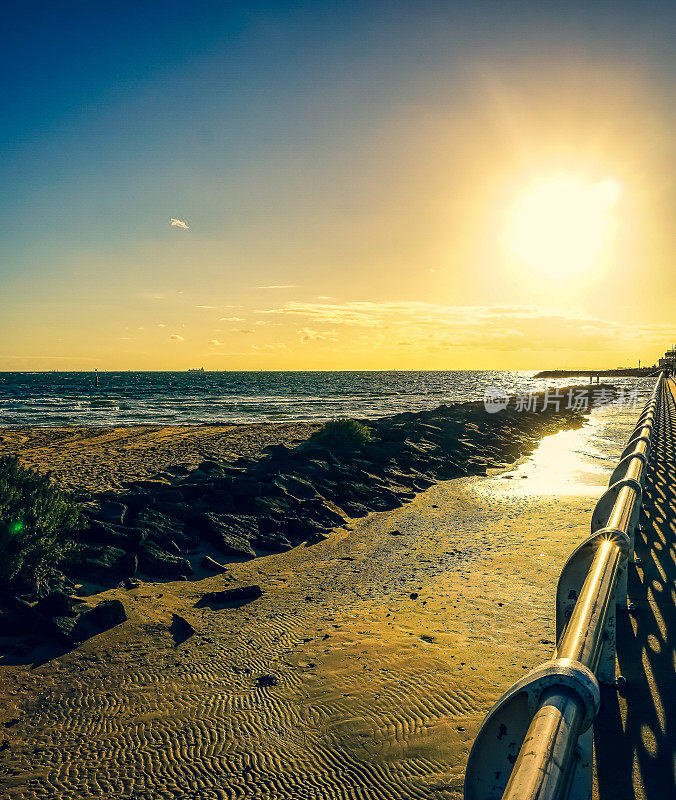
pixel 563 225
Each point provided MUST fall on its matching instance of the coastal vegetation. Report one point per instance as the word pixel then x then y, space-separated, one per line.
pixel 36 520
pixel 340 434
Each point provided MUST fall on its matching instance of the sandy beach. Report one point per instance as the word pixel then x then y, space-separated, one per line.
pixel 86 458
pixel 364 669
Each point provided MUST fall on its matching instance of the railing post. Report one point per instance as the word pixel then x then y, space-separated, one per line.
pixel 537 741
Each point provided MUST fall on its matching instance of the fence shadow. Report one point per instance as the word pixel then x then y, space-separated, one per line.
pixel 635 733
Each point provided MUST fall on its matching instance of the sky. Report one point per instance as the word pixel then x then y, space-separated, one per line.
pixel 337 185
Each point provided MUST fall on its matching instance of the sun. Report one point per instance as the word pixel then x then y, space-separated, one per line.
pixel 563 225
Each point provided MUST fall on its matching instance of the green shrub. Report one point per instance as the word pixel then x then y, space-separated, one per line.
pixel 340 434
pixel 35 522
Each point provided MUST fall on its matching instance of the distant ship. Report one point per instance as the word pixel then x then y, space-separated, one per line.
pixel 201 369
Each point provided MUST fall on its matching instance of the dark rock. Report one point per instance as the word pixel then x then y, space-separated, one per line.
pixel 228 533
pixel 321 512
pixel 108 511
pixel 354 509
pixel 210 467
pixel 267 680
pixel 149 484
pixel 105 614
pixel 279 451
pixel 63 628
pixel 318 453
pixel 239 594
pixel 180 629
pixel 135 501
pixel 56 604
pixel 164 529
pixel 384 502
pixel 97 561
pixel 156 562
pixel 192 491
pixel 273 541
pixel 177 470
pixel 107 533
pixel 217 500
pixel 295 487
pixel 12 625
pixel 249 488
pixel 128 565
pixel 316 537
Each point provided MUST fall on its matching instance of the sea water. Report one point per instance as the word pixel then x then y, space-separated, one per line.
pixel 64 398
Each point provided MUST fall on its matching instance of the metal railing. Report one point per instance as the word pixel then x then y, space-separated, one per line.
pixel 537 741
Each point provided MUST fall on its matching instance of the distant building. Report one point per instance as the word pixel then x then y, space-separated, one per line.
pixel 669 359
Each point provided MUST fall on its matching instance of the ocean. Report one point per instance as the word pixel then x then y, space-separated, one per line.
pixel 70 398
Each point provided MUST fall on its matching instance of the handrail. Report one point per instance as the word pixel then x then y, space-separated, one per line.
pixel 536 742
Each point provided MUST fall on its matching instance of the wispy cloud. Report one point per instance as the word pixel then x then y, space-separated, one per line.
pixel 279 286
pixel 176 337
pixel 178 223
pixel 435 327
pixel 211 308
pixel 306 335
pixel 270 346
pixel 216 343
pixel 232 319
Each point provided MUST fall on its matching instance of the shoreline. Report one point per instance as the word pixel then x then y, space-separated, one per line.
pixel 148 511
pixel 367 665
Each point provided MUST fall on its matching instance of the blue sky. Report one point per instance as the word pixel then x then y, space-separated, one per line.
pixel 324 147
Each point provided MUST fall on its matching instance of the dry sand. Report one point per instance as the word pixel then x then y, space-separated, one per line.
pixel 386 650
pixel 99 458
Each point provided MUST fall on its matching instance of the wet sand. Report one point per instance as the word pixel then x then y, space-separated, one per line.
pixel 364 670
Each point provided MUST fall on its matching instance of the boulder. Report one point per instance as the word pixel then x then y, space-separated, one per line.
pixel 105 614
pixel 108 511
pixel 97 561
pixel 180 629
pixel 107 533
pixel 273 541
pixel 55 604
pixel 162 528
pixel 295 487
pixel 157 563
pixel 128 565
pixel 228 533
pixel 236 595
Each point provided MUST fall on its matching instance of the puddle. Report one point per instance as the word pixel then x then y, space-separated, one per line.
pixel 575 462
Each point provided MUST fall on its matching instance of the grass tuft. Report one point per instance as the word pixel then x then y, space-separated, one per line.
pixel 340 434
pixel 36 520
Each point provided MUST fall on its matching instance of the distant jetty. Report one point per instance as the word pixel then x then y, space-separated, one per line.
pixel 620 372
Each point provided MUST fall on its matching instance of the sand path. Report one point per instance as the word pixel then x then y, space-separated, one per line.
pixel 386 650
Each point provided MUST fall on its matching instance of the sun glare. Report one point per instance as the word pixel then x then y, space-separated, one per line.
pixel 563 225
